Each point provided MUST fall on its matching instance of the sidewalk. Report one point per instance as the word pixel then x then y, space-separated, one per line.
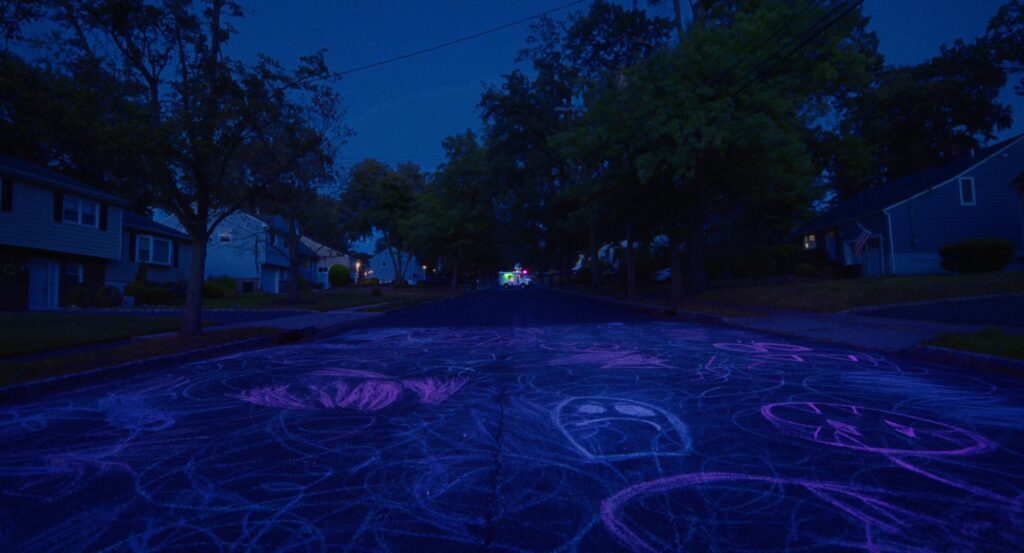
pixel 881 334
pixel 876 333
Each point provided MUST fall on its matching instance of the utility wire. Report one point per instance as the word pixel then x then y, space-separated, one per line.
pixel 845 8
pixel 459 40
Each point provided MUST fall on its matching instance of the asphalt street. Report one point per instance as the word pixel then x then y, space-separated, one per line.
pixel 521 420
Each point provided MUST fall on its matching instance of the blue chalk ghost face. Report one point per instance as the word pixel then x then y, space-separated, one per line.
pixel 611 429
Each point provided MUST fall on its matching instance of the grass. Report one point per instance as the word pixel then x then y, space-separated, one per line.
pixel 27 371
pixel 28 332
pixel 990 341
pixel 829 296
pixel 328 300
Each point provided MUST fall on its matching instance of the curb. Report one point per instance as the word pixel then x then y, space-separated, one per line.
pixel 881 306
pixel 62 382
pixel 957 358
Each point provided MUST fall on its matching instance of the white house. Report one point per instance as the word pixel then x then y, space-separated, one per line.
pixel 326 257
pixel 252 249
pixel 381 266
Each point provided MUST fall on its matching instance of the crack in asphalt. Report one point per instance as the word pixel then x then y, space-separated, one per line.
pixel 491 506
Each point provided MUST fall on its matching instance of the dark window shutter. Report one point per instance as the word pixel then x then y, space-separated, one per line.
pixel 103 216
pixel 7 194
pixel 58 206
pixel 175 248
pixel 131 246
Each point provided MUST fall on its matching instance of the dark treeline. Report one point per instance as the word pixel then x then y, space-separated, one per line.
pixel 716 129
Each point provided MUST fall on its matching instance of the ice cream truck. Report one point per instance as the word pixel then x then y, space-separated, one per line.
pixel 518 276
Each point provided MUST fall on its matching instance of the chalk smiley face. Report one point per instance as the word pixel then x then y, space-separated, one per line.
pixel 611 429
pixel 874 430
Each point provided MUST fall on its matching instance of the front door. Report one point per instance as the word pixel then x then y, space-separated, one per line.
pixel 43 283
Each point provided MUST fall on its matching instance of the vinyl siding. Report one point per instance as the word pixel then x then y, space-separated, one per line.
pixel 30 225
pixel 122 271
pixel 923 225
pixel 936 218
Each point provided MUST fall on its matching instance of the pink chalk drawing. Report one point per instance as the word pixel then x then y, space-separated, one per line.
pixel 886 526
pixel 613 429
pixel 873 430
pixel 372 392
pixel 899 438
pixel 432 391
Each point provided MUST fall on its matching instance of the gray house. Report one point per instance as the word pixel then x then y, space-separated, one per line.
pixel 165 252
pixel 898 228
pixel 55 233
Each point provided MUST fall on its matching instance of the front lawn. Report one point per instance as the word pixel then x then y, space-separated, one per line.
pixel 30 332
pixel 116 354
pixel 990 341
pixel 331 300
pixel 829 296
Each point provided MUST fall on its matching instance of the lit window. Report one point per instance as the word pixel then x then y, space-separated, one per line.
pixel 967 191
pixel 225 237
pixel 149 249
pixel 810 242
pixel 80 211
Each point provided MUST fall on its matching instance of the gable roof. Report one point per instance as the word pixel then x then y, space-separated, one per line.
pixel 877 198
pixel 141 222
pixel 30 172
pixel 275 222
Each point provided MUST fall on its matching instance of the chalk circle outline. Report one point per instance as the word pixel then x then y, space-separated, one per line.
pixel 970 443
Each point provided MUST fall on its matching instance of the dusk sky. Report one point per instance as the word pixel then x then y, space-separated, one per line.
pixel 402 111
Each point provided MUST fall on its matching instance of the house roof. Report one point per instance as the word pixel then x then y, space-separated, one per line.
pixel 38 174
pixel 877 198
pixel 141 222
pixel 275 222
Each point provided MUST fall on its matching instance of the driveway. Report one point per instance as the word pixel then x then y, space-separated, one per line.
pixel 989 311
pixel 521 420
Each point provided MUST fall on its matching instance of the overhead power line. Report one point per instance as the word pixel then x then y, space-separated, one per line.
pixel 459 40
pixel 830 18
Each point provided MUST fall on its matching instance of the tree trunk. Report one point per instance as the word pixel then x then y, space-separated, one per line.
pixel 455 273
pixel 695 277
pixel 630 268
pixel 595 268
pixel 678 282
pixel 293 258
pixel 679 18
pixel 192 318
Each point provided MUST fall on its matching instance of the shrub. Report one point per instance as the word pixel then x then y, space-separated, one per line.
pixel 211 291
pixel 339 275
pixel 134 288
pixel 980 255
pixel 373 282
pixel 154 295
pixel 109 296
pixel 79 296
pixel 805 270
pixel 227 285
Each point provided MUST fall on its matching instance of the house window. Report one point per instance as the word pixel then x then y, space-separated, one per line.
pixel 322 269
pixel 74 272
pixel 80 211
pixel 150 249
pixel 225 237
pixel 810 242
pixel 967 191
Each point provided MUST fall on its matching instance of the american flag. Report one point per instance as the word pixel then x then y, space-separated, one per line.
pixel 862 240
